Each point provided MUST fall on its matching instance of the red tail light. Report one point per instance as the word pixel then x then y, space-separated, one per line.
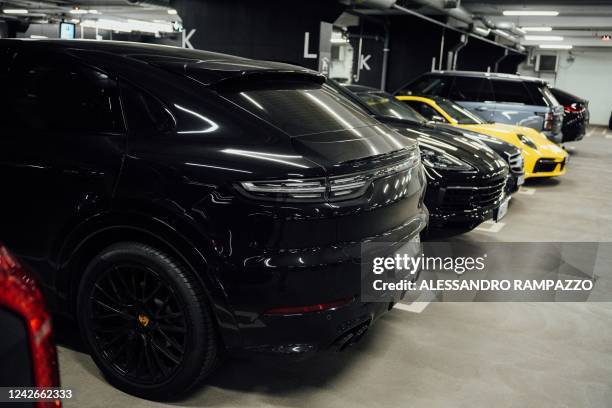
pixel 548 121
pixel 19 293
pixel 573 108
pixel 319 307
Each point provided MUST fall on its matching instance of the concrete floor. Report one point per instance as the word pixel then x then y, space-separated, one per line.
pixel 444 354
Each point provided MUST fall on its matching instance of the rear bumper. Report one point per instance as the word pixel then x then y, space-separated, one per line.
pixel 307 277
pixel 304 335
pixel 574 131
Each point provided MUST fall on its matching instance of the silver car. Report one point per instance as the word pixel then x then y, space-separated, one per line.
pixel 495 97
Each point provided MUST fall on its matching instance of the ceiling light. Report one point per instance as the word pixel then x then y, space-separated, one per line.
pixel 77 10
pixel 171 11
pixel 15 11
pixel 129 25
pixel 556 46
pixel 541 29
pixel 339 41
pixel 530 13
pixel 543 38
pixel 38 37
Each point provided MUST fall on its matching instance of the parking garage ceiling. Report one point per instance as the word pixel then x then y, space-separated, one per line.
pixel 578 23
pixel 121 10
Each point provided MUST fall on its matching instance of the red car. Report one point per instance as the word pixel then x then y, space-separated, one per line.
pixel 27 350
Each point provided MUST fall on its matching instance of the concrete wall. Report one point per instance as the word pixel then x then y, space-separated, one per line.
pixel 272 29
pixel 588 76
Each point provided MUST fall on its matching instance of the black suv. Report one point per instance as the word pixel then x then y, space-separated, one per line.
pixel 179 203
pixel 577 115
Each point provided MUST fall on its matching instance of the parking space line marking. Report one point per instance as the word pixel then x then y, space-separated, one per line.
pixel 414 307
pixel 418 305
pixel 494 227
pixel 526 191
pixel 604 130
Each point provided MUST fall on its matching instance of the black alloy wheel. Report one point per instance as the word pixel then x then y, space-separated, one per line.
pixel 138 323
pixel 146 321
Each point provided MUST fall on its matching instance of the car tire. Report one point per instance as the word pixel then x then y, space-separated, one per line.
pixel 147 322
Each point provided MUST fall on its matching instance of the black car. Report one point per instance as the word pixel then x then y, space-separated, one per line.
pixel 509 153
pixel 465 179
pixel 179 203
pixel 576 117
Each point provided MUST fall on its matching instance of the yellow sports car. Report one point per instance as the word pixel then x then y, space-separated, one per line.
pixel 542 157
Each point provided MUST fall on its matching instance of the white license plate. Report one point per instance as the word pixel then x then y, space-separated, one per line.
pixel 502 210
pixel 520 181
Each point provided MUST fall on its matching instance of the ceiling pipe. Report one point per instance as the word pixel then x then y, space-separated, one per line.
pixel 458 13
pixel 507 30
pixel 474 30
pixel 461 14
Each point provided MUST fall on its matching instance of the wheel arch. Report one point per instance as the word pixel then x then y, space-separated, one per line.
pixel 92 236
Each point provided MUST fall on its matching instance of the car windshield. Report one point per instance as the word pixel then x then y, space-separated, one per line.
pixel 461 115
pixel 388 107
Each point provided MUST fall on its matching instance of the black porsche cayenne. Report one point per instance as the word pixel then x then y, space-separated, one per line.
pixel 180 203
pixel 466 179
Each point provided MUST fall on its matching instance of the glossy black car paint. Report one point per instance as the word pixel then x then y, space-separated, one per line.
pixel 509 153
pixel 576 115
pixel 453 197
pixel 176 187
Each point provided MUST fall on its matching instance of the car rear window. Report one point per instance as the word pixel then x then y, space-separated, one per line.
pixel 298 107
pixel 433 85
pixel 540 94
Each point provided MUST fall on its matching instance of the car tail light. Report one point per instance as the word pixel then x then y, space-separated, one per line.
pixel 318 307
pixel 311 189
pixel 335 188
pixel 548 121
pixel 573 108
pixel 19 293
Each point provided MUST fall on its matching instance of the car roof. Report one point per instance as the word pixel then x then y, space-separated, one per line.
pixel 213 65
pixel 497 75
